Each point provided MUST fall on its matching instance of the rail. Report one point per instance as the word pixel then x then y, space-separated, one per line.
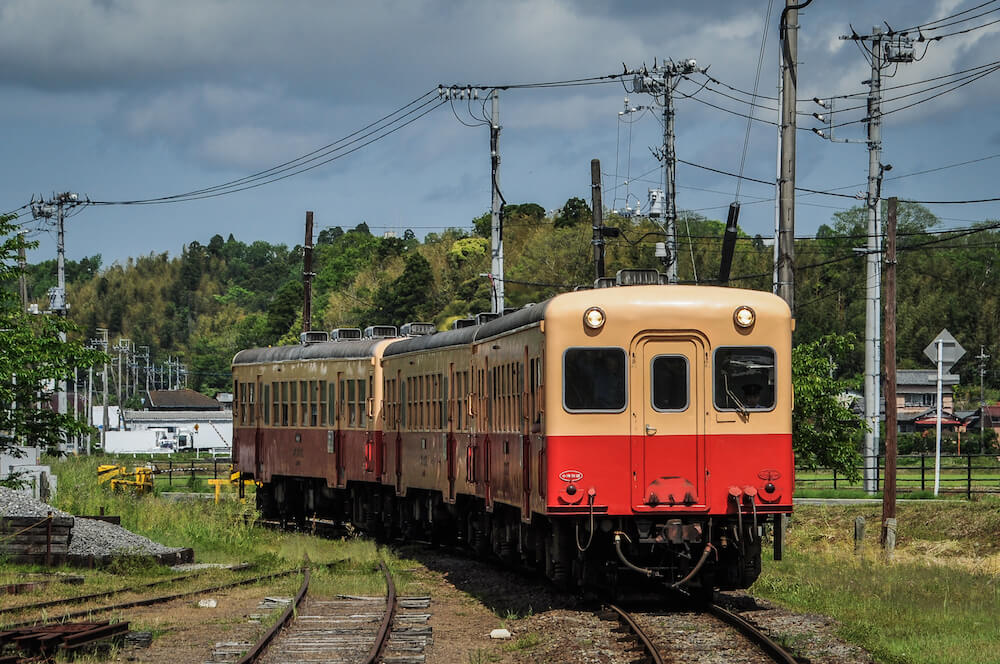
pixel 390 611
pixel 258 649
pixel 626 618
pixel 148 601
pixel 381 638
pixel 771 648
pixel 960 473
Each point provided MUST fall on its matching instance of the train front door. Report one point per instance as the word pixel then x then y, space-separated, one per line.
pixel 668 384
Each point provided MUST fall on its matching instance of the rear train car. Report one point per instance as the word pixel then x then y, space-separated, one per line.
pixel 604 436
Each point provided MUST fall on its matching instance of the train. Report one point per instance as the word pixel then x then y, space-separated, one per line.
pixel 631 436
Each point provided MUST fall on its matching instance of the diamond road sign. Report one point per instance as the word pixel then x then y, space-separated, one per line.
pixel 951 350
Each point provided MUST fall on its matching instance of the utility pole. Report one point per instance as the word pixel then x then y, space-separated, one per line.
pixel 57 295
pixel 103 342
pixel 22 264
pixel 662 80
pixel 307 273
pixel 889 489
pixel 496 207
pixel 885 48
pixel 873 280
pixel 982 357
pixel 90 401
pixel 597 208
pixel 145 356
pixel 785 250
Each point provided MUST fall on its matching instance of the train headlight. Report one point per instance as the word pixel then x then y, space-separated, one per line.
pixel 594 318
pixel 744 317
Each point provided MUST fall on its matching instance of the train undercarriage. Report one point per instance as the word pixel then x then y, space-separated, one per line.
pixel 627 556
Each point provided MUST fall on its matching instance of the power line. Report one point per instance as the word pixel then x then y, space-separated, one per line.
pixel 756 83
pixel 298 165
pixel 946 18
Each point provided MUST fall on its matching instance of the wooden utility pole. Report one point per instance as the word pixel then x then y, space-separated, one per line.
pixel 889 487
pixel 598 213
pixel 307 273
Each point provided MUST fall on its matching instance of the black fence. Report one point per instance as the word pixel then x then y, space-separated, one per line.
pixel 960 473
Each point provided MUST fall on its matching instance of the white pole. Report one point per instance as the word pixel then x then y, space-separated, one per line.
pixel 937 445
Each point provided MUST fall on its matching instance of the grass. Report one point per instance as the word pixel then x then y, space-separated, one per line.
pixel 223 532
pixel 936 603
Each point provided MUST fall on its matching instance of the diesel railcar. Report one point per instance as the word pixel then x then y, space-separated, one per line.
pixel 602 436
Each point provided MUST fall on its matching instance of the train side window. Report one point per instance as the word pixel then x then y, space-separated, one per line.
pixel 362 404
pixel 342 401
pixel 275 404
pixel 322 403
pixel 304 402
pixel 594 380
pixel 251 404
pixel 293 403
pixel 445 401
pixel 265 403
pixel 405 389
pixel 331 397
pixel 352 399
pixel 313 404
pixel 744 378
pixel 668 377
pixel 284 403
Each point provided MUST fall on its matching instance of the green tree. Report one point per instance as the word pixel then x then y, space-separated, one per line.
pixel 287 303
pixel 409 297
pixel 574 212
pixel 825 430
pixel 33 358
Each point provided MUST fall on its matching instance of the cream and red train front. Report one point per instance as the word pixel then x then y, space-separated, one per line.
pixel 669 406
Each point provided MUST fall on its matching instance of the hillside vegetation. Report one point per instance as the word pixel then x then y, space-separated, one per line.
pixel 231 293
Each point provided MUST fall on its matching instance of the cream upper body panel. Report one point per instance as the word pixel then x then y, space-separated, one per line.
pixel 701 315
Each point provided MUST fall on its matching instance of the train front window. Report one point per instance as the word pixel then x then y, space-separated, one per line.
pixel 594 380
pixel 669 378
pixel 744 378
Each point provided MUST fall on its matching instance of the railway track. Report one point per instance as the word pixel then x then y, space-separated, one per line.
pixel 656 651
pixel 148 601
pixel 347 630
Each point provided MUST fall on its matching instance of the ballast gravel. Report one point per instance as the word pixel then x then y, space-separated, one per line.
pixel 89 537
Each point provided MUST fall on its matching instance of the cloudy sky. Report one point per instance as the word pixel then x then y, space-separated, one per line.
pixel 133 100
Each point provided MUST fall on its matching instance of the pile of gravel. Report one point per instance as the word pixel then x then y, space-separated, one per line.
pixel 88 537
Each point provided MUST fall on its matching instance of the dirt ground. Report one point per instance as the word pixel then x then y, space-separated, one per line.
pixel 469 600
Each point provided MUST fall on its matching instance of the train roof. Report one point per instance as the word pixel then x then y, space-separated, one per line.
pixel 345 350
pixel 459 337
pixel 512 321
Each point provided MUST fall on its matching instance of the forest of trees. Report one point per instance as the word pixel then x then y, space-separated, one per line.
pixel 217 298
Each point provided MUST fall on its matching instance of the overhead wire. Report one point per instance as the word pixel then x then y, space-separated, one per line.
pixel 266 176
pixel 756 84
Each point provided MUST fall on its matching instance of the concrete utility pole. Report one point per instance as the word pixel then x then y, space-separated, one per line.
pixel 57 295
pixel 889 491
pixel 662 80
pixel 885 48
pixel 145 356
pixel 785 249
pixel 307 273
pixel 873 272
pixel 103 342
pixel 22 264
pixel 496 207
pixel 982 357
